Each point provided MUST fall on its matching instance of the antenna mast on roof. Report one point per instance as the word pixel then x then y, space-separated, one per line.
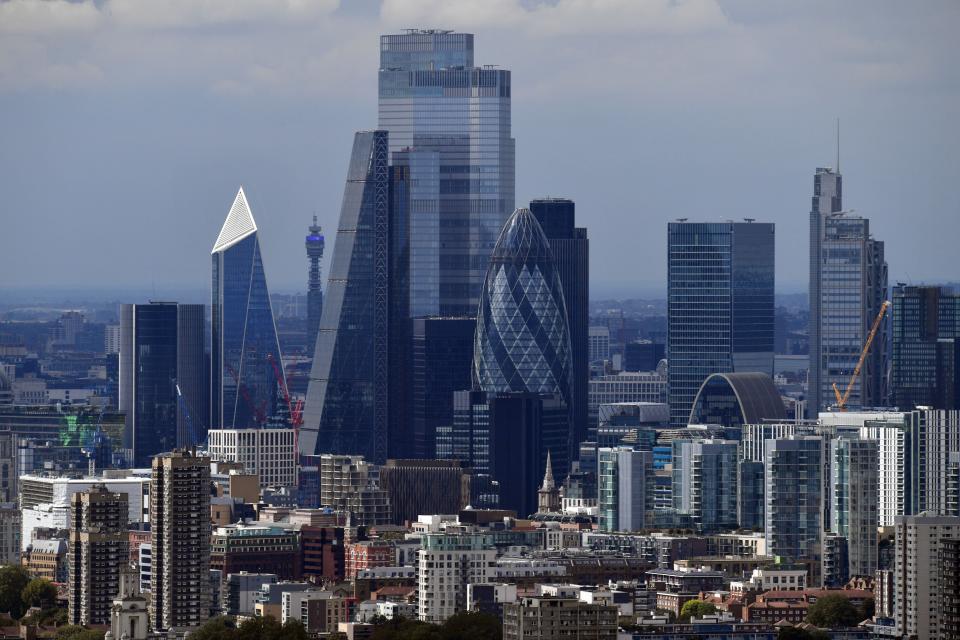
pixel 838 145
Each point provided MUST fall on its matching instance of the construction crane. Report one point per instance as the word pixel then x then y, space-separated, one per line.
pixel 842 398
pixel 295 408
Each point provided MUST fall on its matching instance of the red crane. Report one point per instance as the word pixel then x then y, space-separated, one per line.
pixel 295 408
pixel 259 413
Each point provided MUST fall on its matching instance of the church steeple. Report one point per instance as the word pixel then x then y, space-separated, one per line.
pixel 548 497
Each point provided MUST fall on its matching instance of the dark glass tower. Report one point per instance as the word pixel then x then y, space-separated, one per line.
pixel 571 254
pixel 164 379
pixel 720 305
pixel 314 244
pixel 827 199
pixel 193 376
pixel 244 350
pixel 926 357
pixel 148 374
pixel 346 406
pixel 442 352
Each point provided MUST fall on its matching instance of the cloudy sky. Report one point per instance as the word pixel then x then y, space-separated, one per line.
pixel 126 126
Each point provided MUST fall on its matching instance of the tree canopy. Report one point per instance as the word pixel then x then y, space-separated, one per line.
pixel 39 593
pixel 696 609
pixel 265 628
pixel 462 626
pixel 13 580
pixel 833 611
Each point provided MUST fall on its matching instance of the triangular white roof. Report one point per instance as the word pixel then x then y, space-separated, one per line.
pixel 238 225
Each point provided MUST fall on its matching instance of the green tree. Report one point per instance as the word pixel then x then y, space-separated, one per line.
pixel 219 628
pixel 39 593
pixel 13 579
pixel 472 626
pixel 76 632
pixel 833 611
pixel 399 628
pixel 868 609
pixel 696 608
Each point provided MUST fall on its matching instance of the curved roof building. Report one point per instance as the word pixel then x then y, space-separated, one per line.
pixel 735 399
pixel 522 341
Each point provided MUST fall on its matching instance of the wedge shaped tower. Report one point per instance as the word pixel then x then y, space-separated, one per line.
pixel 346 406
pixel 246 368
pixel 522 342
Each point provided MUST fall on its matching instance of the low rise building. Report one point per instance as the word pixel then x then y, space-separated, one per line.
pixel 548 617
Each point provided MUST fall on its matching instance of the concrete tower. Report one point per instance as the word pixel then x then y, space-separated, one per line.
pixel 314 244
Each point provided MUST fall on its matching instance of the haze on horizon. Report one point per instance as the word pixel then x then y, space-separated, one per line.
pixel 126 127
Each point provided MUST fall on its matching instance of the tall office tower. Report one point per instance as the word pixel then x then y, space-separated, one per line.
pixel 523 342
pixel 442 355
pixel 705 482
pixel 244 351
pixel 270 454
pixel 346 406
pixel 918 589
pixel 522 354
pixel 948 583
pixel 180 522
pixel 571 254
pixel 720 305
pixel 415 487
pixel 193 376
pixel 161 350
pixel 99 552
pixel 827 200
pixel 925 363
pixel 793 496
pixel 624 488
pixel 854 493
pixel 848 284
pixel 449 125
pixel 314 244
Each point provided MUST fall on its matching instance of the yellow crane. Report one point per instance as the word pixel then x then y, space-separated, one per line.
pixel 842 399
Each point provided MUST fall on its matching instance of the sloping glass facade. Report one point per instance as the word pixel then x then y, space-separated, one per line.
pixel 346 407
pixel 245 353
pixel 522 342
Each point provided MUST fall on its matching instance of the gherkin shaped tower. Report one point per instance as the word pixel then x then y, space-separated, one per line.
pixel 522 341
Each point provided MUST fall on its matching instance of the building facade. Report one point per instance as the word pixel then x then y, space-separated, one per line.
pixel 446 564
pixel 624 488
pixel 416 487
pixel 268 453
pixel 543 617
pixel 180 550
pixel 571 254
pixel 705 482
pixel 246 369
pixel 918 590
pixel 854 494
pixel 720 305
pixel 793 500
pixel 848 284
pixel 925 355
pixel 99 553
pixel 346 405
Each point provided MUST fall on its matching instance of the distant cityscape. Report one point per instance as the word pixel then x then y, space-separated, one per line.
pixel 446 434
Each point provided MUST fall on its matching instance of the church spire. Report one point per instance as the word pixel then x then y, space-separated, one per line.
pixel 548 497
pixel 548 483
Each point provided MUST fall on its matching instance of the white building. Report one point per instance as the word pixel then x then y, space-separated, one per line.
pixel 628 386
pixel 446 564
pixel 111 339
pixel 598 348
pixel 269 453
pixel 45 500
pixel 773 579
pixel 915 572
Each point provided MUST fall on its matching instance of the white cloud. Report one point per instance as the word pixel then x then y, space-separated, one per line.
pixel 194 13
pixel 47 16
pixel 562 17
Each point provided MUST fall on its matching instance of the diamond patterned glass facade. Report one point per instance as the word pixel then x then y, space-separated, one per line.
pixel 522 342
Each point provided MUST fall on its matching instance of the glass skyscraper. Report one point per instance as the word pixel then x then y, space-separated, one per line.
pixel 244 351
pixel 720 305
pixel 854 480
pixel 848 283
pixel 852 288
pixel 449 126
pixel 925 367
pixel 705 482
pixel 571 255
pixel 522 342
pixel 163 377
pixel 346 406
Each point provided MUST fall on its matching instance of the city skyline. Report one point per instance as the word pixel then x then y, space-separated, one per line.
pixel 292 181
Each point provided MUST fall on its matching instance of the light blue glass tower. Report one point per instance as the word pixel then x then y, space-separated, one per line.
pixel 449 126
pixel 720 305
pixel 244 351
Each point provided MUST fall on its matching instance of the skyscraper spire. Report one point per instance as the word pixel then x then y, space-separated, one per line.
pixel 548 483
